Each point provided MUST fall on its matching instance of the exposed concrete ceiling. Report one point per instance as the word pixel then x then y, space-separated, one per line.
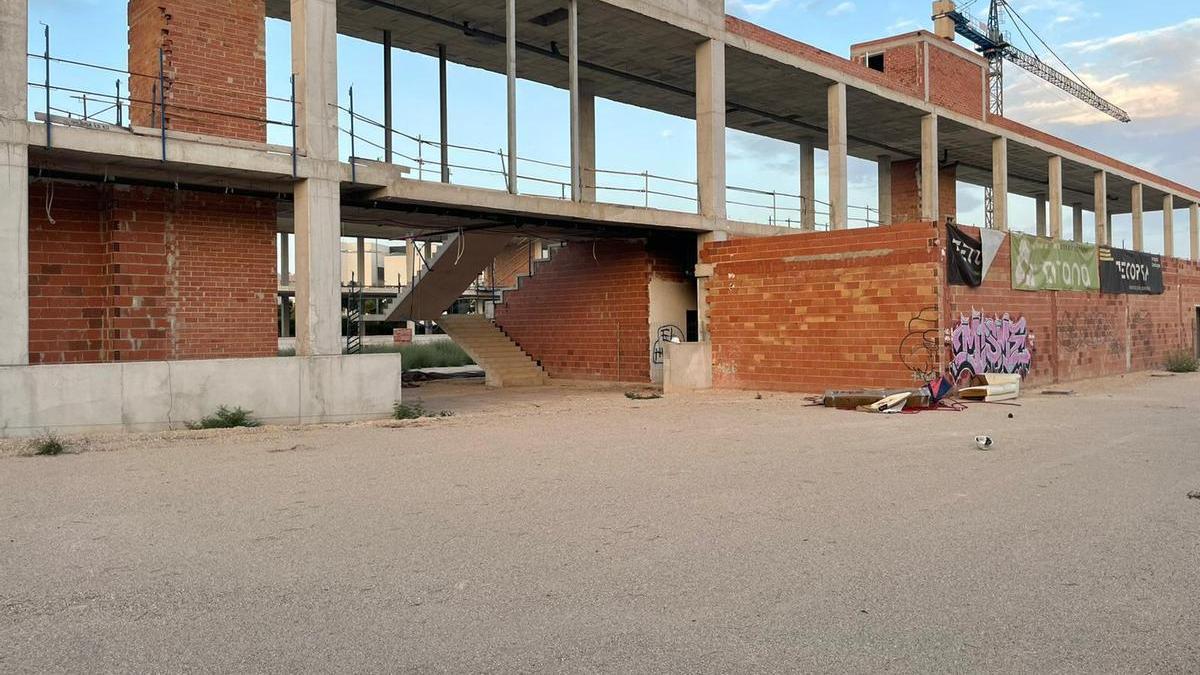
pixel 640 61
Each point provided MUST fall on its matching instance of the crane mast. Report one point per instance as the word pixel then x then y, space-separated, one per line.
pixel 992 44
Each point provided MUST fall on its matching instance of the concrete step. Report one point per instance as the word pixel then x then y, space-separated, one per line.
pixel 503 362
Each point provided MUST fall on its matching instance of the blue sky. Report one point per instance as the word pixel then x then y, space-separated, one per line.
pixel 1143 60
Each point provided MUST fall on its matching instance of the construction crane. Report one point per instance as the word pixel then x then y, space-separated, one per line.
pixel 993 44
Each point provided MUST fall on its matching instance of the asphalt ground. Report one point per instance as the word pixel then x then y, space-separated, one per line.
pixel 573 529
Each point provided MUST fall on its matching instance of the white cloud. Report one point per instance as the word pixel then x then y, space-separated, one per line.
pixel 1152 74
pixel 752 9
pixel 841 8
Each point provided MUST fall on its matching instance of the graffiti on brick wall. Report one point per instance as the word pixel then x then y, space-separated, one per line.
pixel 919 348
pixel 990 344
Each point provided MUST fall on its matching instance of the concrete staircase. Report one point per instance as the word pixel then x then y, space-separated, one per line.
pixel 503 362
pixel 451 271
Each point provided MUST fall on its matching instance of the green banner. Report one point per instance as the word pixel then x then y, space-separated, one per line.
pixel 1041 264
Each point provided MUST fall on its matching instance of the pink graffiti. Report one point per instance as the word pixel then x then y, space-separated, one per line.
pixel 984 344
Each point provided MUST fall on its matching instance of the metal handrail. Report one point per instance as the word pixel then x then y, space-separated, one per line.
pixel 117 102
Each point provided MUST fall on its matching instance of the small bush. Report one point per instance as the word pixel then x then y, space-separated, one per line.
pixel 49 445
pixel 440 354
pixel 415 410
pixel 226 418
pixel 1182 362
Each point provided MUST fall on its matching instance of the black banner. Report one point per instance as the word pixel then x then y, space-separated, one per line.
pixel 964 258
pixel 1124 271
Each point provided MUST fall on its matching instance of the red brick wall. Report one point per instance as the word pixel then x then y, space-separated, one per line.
pixel 906 192
pixel 131 274
pixel 814 311
pixel 1083 335
pixel 66 274
pixel 905 65
pixel 956 83
pixel 511 263
pixel 215 63
pixel 585 313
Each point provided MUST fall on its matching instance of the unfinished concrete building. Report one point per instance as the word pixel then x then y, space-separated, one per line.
pixel 165 305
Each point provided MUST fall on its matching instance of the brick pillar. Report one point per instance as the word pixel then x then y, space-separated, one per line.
pixel 906 191
pixel 214 62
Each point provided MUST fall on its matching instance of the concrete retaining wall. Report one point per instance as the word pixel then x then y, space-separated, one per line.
pixel 155 395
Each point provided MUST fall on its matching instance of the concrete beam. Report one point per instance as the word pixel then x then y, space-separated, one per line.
pixel 1169 226
pixel 884 164
pixel 1000 183
pixel 1077 222
pixel 1100 190
pixel 710 128
pixel 1040 215
pixel 838 167
pixel 1194 211
pixel 14 185
pixel 510 34
pixel 929 168
pixel 587 143
pixel 808 186
pixel 1054 168
pixel 1138 208
pixel 573 90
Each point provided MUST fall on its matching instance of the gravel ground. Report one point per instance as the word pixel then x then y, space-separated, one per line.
pixel 568 528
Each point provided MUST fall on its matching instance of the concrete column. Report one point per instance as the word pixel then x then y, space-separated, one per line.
pixel 444 113
pixel 1077 222
pixel 318 267
pixel 1040 216
pixel 703 274
pixel 1100 190
pixel 929 168
pixel 285 317
pixel 1000 183
pixel 885 189
pixel 573 90
pixel 587 142
pixel 710 128
pixel 1169 226
pixel 808 186
pixel 285 259
pixel 1108 235
pixel 361 260
pixel 510 34
pixel 410 261
pixel 1056 198
pixel 1138 207
pixel 839 215
pixel 14 185
pixel 387 96
pixel 1194 211
pixel 317 198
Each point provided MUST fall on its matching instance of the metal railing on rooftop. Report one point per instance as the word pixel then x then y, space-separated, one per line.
pixel 85 106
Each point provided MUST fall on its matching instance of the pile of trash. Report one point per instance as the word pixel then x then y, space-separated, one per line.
pixel 941 393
